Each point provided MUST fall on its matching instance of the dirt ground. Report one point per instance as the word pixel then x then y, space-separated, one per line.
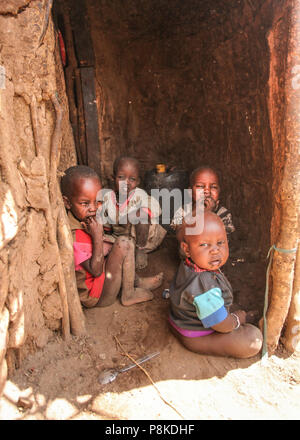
pixel 60 381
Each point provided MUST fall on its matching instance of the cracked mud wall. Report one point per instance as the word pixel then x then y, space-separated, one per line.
pixel 278 44
pixel 30 303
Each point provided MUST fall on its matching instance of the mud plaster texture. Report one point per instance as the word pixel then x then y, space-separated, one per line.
pixel 30 305
pixel 60 382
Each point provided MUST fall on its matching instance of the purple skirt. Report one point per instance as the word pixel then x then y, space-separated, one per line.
pixel 190 333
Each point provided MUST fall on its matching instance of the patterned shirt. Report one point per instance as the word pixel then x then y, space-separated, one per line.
pixel 199 299
pixel 118 214
pixel 221 211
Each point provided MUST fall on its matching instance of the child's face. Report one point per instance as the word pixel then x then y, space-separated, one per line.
pixel 83 202
pixel 126 178
pixel 208 250
pixel 206 186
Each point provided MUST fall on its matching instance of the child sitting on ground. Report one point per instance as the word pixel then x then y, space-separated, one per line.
pixel 131 211
pixel 205 187
pixel 103 268
pixel 201 296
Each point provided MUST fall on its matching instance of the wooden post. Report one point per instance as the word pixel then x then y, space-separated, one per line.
pixel 82 35
pixel 81 120
pixel 87 75
pixel 64 239
pixel 283 262
pixel 292 332
pixel 70 80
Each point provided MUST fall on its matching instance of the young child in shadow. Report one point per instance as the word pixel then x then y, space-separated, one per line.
pixel 104 267
pixel 204 184
pixel 201 296
pixel 131 212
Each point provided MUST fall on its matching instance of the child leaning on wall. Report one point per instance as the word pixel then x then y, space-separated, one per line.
pixel 131 212
pixel 201 297
pixel 104 267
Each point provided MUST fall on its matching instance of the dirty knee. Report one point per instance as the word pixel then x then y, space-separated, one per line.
pixel 253 341
pixel 124 244
pixel 256 340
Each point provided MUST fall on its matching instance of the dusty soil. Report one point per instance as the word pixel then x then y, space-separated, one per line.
pixel 60 381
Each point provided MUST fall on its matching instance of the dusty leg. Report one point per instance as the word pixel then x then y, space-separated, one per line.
pixel 129 294
pixel 150 283
pixel 242 343
pixel 142 233
pixel 119 274
pixel 141 259
pixel 113 275
pixel 154 236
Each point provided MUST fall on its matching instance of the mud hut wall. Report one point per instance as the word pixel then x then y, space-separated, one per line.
pixel 29 297
pixel 278 45
pixel 283 312
pixel 186 84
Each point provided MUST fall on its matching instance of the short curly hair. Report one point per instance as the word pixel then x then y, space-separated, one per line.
pixel 123 159
pixel 74 173
pixel 198 170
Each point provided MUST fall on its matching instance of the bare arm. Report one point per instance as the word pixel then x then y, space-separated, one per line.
pixel 95 264
pixel 230 322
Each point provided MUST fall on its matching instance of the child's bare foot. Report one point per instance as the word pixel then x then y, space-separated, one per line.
pixel 141 259
pixel 150 283
pixel 139 295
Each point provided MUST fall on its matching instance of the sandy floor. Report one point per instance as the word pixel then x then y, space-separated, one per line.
pixel 60 382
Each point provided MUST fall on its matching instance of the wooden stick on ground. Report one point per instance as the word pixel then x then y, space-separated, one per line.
pixel 147 374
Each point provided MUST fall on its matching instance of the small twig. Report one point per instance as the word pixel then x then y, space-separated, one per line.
pixel 34 120
pixel 147 374
pixel 55 146
pixel 57 134
pixel 46 21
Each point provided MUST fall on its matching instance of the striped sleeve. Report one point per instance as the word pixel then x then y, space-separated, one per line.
pixel 210 307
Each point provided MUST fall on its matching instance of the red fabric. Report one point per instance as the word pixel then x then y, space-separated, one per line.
pixel 123 206
pixel 82 252
pixel 148 211
pixel 62 48
pixel 94 285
